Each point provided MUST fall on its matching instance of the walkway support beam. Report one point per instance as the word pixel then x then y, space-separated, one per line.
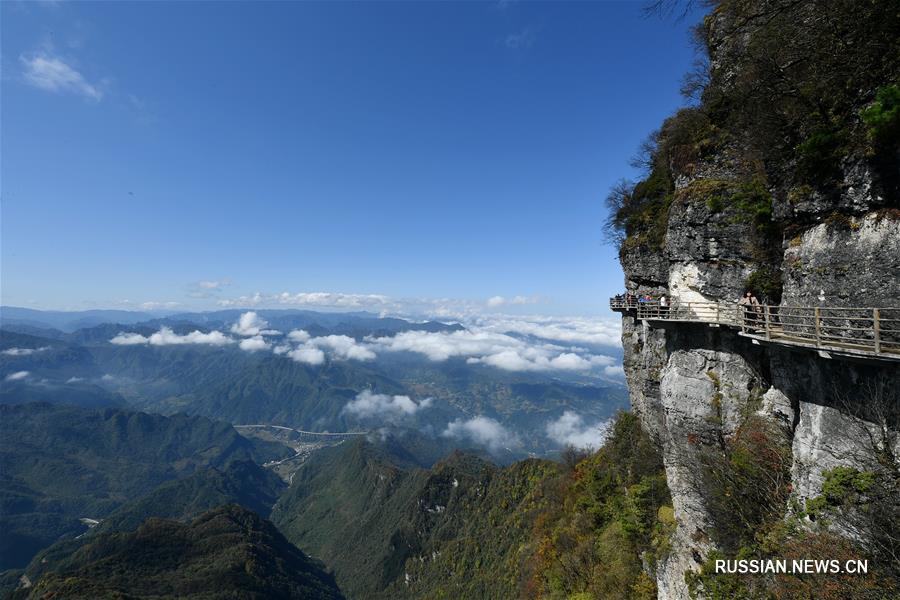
pixel 876 326
pixel 818 328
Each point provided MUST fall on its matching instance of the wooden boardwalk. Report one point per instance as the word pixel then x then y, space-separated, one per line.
pixel 872 333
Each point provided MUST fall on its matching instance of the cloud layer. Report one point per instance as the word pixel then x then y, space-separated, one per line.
pixel 319 299
pixel 497 301
pixel 254 343
pixel 483 431
pixel 166 337
pixel 570 430
pixel 309 355
pixel 311 349
pixel 503 342
pixel 251 324
pixel 491 348
pixel 385 408
pixel 570 330
pixel 23 351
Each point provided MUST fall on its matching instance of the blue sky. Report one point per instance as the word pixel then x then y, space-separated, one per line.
pixel 193 155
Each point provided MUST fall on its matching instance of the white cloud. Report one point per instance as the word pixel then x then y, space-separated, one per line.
pixel 308 355
pixel 166 337
pixel 129 339
pixel 570 429
pixel 74 379
pixel 571 362
pixel 254 343
pixel 17 376
pixel 298 335
pixel 322 299
pixel 281 349
pixel 387 408
pixel 484 431
pixel 249 324
pixel 440 346
pixel 207 288
pixel 339 346
pixel 491 348
pixel 571 330
pixel 158 305
pixel 614 371
pixel 495 301
pixel 24 351
pixel 508 360
pixel 50 73
pixel 343 346
pixel 212 285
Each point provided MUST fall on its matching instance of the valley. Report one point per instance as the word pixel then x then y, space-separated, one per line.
pixel 109 425
pixel 303 443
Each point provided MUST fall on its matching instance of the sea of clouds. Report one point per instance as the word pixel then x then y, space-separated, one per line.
pixel 506 342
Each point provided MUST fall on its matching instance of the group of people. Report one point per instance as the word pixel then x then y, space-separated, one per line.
pixel 659 305
pixel 631 300
pixel 752 308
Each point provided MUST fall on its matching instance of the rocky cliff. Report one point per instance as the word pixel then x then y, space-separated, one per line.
pixel 782 180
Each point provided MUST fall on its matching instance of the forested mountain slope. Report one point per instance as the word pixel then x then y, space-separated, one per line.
pixel 226 553
pixel 60 464
pixel 469 529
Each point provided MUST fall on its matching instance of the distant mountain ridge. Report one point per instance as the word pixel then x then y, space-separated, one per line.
pixel 68 321
pixel 341 323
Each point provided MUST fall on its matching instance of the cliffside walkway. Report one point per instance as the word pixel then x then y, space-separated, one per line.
pixel 872 333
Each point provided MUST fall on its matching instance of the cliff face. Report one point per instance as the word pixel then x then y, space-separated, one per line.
pixel 737 214
pixel 693 386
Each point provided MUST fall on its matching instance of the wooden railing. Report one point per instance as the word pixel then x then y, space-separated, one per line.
pixel 867 330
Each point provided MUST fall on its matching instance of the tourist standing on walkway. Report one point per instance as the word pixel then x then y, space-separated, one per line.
pixel 747 303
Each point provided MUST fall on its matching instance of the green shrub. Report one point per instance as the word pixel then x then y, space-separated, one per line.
pixel 842 486
pixel 819 155
pixel 883 117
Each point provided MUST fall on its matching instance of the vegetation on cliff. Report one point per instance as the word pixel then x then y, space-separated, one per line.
pixel 745 481
pixel 788 97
